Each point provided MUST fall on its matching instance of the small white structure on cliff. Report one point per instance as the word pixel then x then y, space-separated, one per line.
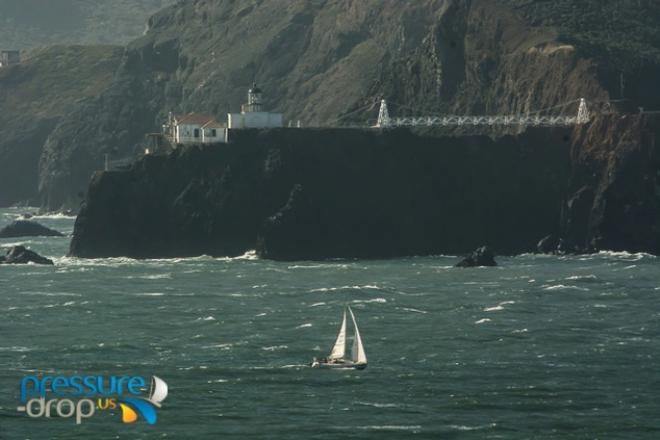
pixel 9 57
pixel 252 114
pixel 195 128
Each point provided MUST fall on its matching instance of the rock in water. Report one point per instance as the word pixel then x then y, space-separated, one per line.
pixel 23 228
pixel 482 256
pixel 21 255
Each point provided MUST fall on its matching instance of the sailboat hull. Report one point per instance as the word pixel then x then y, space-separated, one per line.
pixel 339 365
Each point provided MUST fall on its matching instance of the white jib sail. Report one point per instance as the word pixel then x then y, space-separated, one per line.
pixel 359 356
pixel 339 350
pixel 158 390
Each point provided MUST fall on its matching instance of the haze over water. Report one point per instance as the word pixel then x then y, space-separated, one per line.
pixel 540 347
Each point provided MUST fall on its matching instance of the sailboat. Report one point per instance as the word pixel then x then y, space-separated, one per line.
pixel 338 358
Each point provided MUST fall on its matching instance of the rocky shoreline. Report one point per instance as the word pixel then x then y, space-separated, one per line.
pixel 320 193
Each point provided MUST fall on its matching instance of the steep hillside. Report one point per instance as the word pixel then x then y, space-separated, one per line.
pixel 622 36
pixel 26 24
pixel 34 97
pixel 328 62
pixel 318 61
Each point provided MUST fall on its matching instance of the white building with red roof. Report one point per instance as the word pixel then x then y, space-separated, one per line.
pixel 195 128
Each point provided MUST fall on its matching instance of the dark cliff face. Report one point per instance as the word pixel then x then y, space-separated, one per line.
pixel 299 194
pixel 613 201
pixel 321 62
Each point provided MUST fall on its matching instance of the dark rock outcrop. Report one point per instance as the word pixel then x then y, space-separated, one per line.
pixel 305 193
pixel 480 257
pixel 613 197
pixel 548 245
pixel 278 238
pixel 24 228
pixel 21 255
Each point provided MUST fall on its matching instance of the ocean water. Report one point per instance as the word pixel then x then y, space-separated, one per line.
pixel 540 347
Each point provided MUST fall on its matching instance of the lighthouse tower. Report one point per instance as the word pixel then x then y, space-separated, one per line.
pixel 252 114
pixel 254 100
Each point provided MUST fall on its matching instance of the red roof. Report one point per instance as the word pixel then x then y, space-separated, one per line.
pixel 198 119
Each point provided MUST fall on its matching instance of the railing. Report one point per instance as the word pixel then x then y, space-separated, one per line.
pixel 530 119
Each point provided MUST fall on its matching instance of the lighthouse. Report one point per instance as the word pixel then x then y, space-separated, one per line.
pixel 254 100
pixel 252 114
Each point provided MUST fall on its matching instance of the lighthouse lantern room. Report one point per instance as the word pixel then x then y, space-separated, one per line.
pixel 252 114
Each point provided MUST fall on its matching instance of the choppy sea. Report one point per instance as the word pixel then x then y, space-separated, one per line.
pixel 541 347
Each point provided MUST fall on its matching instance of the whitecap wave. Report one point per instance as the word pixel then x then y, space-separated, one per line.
pixel 472 428
pixel 126 261
pixel 498 307
pixel 379 405
pixel 366 301
pixel 563 287
pixel 581 277
pixel 226 346
pixel 162 276
pixel 307 266
pixel 408 309
pixel 627 255
pixel 249 255
pixel 275 347
pixel 206 318
pixel 16 349
pixel 305 325
pixel 356 287
pixel 51 294
pixel 390 427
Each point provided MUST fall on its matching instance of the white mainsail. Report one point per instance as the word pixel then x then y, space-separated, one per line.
pixel 158 390
pixel 359 356
pixel 339 350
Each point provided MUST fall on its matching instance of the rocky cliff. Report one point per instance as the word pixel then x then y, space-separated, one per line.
pixel 613 200
pixel 327 63
pixel 311 194
pixel 35 97
pixel 300 194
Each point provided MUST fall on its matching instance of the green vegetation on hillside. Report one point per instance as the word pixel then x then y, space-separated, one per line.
pixel 625 32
